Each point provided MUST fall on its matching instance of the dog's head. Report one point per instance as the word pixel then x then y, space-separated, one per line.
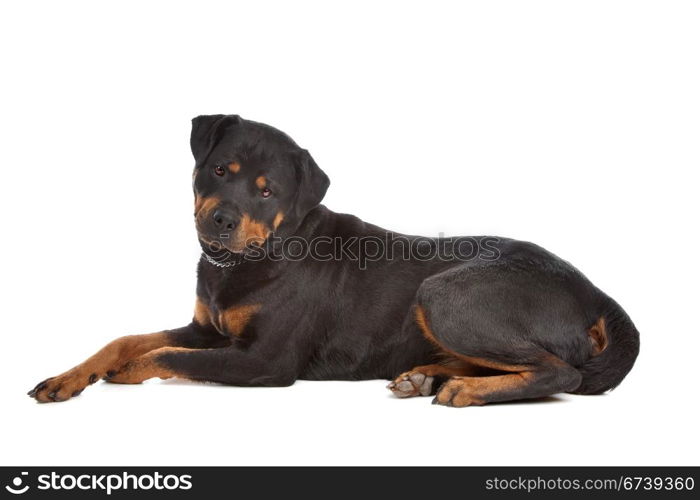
pixel 250 180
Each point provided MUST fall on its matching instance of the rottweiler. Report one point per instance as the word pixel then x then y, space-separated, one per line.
pixel 288 289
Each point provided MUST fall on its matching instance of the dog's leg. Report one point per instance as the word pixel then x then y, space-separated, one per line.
pixel 230 365
pixel 424 380
pixel 520 370
pixel 112 358
pixel 550 377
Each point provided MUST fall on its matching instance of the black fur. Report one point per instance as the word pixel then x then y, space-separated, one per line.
pixel 333 320
pixel 339 320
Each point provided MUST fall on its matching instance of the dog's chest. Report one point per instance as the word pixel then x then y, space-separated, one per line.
pixel 229 319
pixel 233 321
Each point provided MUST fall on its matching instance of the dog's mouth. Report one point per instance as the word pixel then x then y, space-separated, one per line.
pixel 228 242
pixel 246 236
pixel 220 242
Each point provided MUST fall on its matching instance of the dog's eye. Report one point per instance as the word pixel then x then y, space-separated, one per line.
pixel 265 193
pixel 219 170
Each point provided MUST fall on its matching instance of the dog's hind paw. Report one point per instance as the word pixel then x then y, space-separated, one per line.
pixel 412 383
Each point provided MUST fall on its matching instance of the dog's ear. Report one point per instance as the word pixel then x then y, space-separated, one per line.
pixel 312 181
pixel 207 130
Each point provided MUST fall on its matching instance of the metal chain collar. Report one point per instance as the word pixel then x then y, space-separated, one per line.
pixel 216 263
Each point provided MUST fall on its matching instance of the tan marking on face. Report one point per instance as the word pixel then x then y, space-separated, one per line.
pixel 234 167
pixel 261 182
pixel 204 205
pixel 202 314
pixel 250 232
pixel 278 220
pixel 598 335
pixel 234 319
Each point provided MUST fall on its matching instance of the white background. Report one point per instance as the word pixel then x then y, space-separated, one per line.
pixel 571 124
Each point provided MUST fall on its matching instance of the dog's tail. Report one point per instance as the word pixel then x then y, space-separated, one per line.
pixel 619 338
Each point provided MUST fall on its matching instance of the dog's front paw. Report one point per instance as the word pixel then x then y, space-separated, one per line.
pixel 412 383
pixel 63 387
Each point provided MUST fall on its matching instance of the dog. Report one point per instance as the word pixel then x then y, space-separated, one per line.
pixel 492 321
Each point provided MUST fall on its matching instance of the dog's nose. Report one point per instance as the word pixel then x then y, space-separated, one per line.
pixel 224 219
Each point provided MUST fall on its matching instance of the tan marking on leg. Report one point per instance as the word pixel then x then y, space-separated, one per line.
pixel 147 366
pixel 421 376
pixel 234 319
pixel 445 370
pixel 261 182
pixel 202 314
pixel 598 335
pixel 422 321
pixel 234 167
pixel 476 391
pixel 420 380
pixel 110 358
